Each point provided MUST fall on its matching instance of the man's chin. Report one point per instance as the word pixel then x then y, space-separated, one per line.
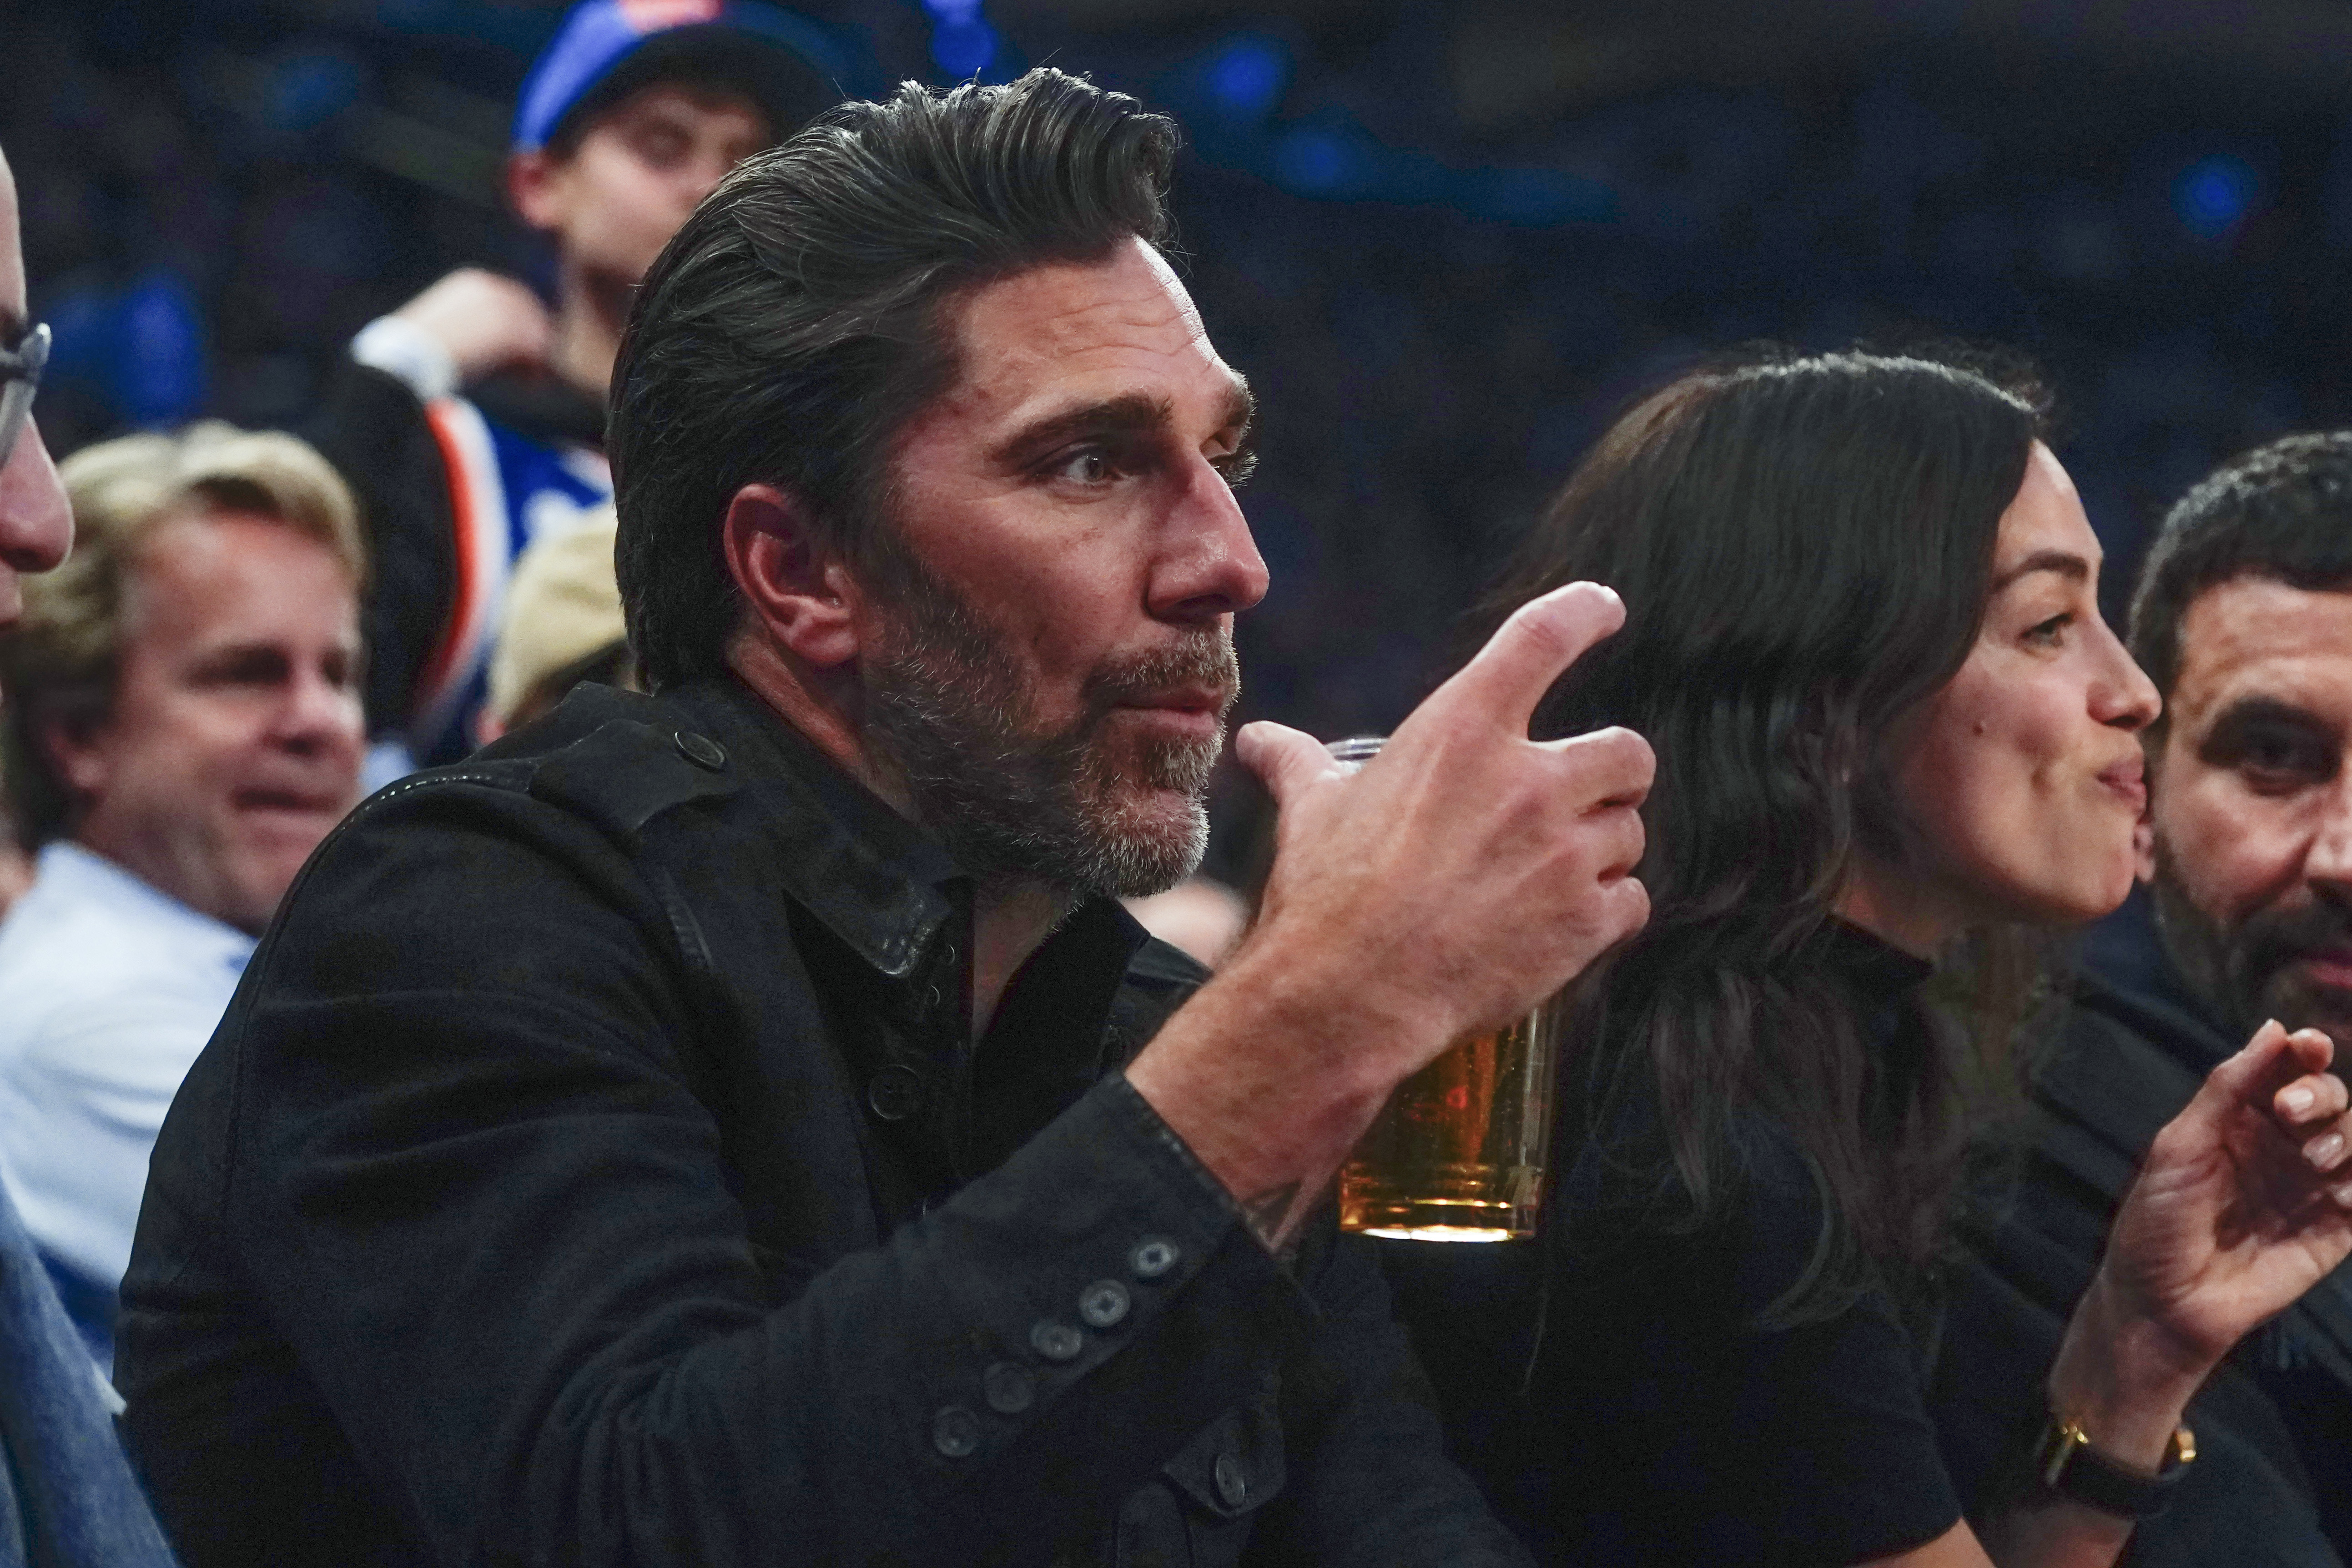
pixel 1151 840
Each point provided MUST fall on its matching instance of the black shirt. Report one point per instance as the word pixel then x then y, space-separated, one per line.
pixel 2272 1484
pixel 1634 1413
pixel 595 1168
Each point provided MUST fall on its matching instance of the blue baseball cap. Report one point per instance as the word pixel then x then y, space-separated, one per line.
pixel 790 65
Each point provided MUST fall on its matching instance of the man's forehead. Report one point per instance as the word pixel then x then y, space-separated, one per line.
pixel 2256 636
pixel 1074 329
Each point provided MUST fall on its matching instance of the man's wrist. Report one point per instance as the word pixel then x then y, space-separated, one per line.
pixel 1269 1076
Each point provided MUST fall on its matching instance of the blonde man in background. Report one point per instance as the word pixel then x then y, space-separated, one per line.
pixel 182 727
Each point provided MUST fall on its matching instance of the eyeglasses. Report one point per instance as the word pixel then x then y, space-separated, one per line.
pixel 20 377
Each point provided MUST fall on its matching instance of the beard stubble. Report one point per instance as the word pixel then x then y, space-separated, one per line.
pixel 1071 807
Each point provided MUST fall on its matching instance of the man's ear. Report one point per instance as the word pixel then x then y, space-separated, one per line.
pixel 532 189
pixel 796 589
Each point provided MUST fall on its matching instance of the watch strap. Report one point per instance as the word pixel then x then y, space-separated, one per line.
pixel 2065 1463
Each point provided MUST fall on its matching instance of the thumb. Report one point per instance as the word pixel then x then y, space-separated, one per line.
pixel 1285 761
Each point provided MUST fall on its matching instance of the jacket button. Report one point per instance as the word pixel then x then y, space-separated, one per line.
pixel 1057 1341
pixel 955 1432
pixel 1232 1484
pixel 896 1093
pixel 1103 1303
pixel 701 750
pixel 1009 1387
pixel 1152 1257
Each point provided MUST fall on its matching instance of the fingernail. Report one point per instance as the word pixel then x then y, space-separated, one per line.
pixel 2297 1098
pixel 2342 1193
pixel 2322 1153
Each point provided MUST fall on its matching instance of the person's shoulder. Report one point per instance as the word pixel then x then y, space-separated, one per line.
pixel 2123 1062
pixel 607 759
pixel 91 937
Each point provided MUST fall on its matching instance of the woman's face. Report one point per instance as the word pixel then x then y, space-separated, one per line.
pixel 2023 772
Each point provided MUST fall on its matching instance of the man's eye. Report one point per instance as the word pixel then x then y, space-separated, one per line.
pixel 1087 465
pixel 1236 466
pixel 661 146
pixel 2283 760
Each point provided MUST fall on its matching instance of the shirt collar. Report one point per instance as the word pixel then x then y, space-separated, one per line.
pixel 872 878
pixel 73 872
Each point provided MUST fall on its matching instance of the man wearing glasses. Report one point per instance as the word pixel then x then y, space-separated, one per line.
pixel 66 1494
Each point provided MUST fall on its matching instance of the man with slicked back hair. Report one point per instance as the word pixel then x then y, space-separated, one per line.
pixel 739 1123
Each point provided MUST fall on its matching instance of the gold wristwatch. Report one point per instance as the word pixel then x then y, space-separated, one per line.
pixel 2065 1463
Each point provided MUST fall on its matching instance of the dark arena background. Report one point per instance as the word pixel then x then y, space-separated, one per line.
pixel 1445 240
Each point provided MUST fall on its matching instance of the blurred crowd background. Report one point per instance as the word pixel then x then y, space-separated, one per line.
pixel 1445 240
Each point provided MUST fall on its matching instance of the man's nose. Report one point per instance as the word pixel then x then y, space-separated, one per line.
pixel 1208 565
pixel 319 714
pixel 705 170
pixel 2328 861
pixel 36 527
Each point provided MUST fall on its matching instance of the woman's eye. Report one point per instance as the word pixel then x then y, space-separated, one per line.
pixel 2051 631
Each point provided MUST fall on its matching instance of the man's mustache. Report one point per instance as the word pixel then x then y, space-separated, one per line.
pixel 1200 660
pixel 2270 941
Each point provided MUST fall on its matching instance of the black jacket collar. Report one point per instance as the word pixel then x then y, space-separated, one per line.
pixel 870 877
pixel 874 879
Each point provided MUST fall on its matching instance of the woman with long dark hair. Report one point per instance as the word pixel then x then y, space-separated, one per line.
pixel 1862 636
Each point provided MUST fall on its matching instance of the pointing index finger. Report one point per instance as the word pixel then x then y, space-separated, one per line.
pixel 1531 650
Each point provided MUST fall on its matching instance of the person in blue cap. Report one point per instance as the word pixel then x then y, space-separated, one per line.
pixel 470 421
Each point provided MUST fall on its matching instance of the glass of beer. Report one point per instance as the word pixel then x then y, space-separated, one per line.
pixel 1458 1152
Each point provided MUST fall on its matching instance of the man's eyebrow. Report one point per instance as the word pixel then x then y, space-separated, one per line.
pixel 1241 411
pixel 1125 415
pixel 2065 562
pixel 1130 414
pixel 2248 712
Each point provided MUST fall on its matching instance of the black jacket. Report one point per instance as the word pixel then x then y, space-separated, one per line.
pixel 2135 1049
pixel 592 1169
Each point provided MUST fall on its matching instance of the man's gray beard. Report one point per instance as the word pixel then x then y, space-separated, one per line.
pixel 946 707
pixel 2241 974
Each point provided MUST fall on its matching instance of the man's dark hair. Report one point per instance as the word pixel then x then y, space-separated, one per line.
pixel 2281 511
pixel 802 316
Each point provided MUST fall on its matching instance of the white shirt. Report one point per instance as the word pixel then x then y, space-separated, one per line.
pixel 108 990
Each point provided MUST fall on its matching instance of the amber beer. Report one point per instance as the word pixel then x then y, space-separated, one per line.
pixel 1458 1152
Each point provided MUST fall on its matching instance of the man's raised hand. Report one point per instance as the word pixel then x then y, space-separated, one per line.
pixel 1467 872
pixel 1463 876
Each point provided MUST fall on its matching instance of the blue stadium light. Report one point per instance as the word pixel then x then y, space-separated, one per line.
pixel 2212 195
pixel 962 43
pixel 159 376
pixel 1247 75
pixel 1316 162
